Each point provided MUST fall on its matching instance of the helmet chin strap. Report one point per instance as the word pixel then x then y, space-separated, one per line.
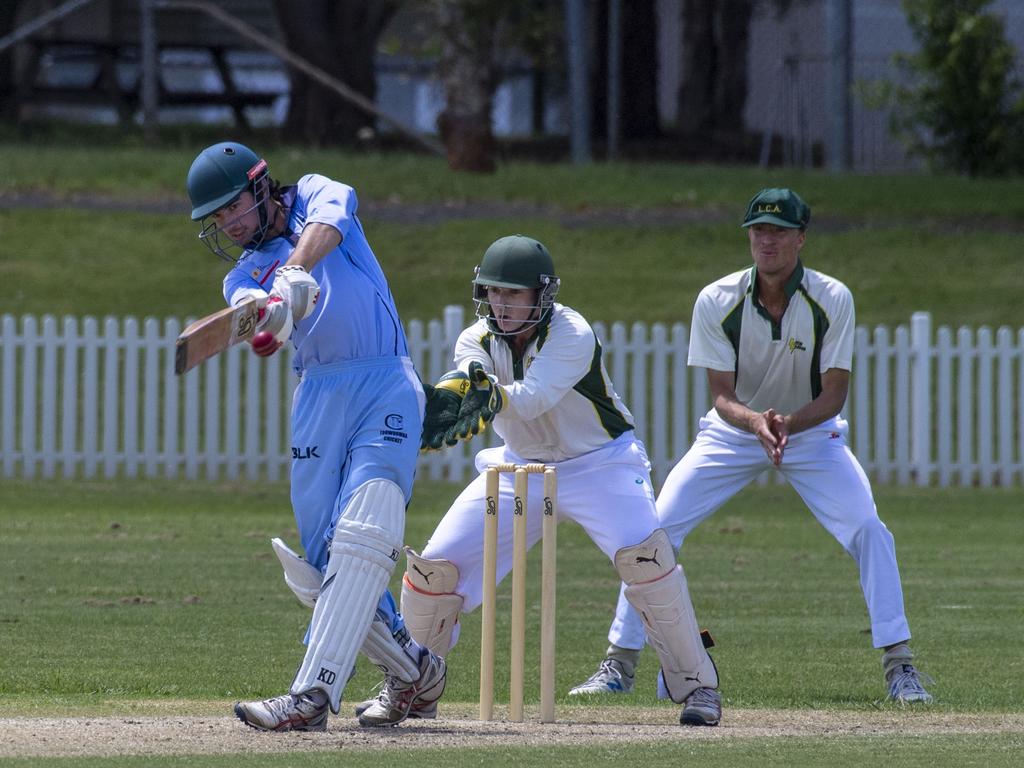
pixel 523 327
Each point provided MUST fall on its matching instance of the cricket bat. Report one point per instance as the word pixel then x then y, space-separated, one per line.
pixel 214 333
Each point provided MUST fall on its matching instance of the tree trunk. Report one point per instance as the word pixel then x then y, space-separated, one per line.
pixel 340 37
pixel 467 68
pixel 638 80
pixel 639 70
pixel 714 49
pixel 730 94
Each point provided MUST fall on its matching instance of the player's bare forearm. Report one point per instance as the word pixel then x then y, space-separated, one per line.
pixel 835 384
pixel 723 392
pixel 316 241
pixel 736 413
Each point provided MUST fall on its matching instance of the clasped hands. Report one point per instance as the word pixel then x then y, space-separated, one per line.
pixel 772 430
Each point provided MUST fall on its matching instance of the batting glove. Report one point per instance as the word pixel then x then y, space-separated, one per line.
pixel 273 327
pixel 298 289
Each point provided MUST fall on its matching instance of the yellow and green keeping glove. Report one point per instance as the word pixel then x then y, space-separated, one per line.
pixel 482 402
pixel 442 410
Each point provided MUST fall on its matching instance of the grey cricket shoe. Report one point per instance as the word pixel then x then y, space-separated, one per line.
pixel 902 678
pixel 702 707
pixel 610 677
pixel 398 698
pixel 905 685
pixel 291 712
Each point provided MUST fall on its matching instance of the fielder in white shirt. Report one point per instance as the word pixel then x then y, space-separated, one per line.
pixel 536 374
pixel 777 342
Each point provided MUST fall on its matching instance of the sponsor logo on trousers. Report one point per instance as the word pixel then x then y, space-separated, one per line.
pixel 394 426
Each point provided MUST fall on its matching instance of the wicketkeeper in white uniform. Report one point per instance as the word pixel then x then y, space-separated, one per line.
pixel 536 373
pixel 356 421
pixel 777 342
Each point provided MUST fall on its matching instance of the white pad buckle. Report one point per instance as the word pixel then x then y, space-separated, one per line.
pixel 390 653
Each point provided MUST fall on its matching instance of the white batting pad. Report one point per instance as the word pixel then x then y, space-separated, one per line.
pixel 301 577
pixel 429 603
pixel 364 551
pixel 388 652
pixel 656 588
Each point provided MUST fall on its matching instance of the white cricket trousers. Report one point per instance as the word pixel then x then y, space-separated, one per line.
pixel 822 469
pixel 607 491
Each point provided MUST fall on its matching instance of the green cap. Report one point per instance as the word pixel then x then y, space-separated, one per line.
pixel 781 207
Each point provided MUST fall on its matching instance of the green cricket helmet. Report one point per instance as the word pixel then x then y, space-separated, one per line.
pixel 218 177
pixel 516 261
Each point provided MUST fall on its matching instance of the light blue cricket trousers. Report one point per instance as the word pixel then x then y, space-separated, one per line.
pixel 352 421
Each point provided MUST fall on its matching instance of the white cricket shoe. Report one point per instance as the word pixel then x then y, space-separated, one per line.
pixel 702 707
pixel 291 712
pixel 610 677
pixel 423 710
pixel 398 698
pixel 905 685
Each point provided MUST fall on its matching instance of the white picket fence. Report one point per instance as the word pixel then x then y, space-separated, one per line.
pixel 83 398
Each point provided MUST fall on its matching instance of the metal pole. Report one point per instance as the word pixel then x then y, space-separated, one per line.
pixel 579 82
pixel 839 24
pixel 147 44
pixel 614 75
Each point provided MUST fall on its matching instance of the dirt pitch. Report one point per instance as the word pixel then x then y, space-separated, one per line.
pixel 221 734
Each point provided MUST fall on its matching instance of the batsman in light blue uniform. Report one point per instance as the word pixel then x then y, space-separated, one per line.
pixel 356 421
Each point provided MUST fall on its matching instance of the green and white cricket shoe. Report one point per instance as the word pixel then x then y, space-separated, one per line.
pixel 398 698
pixel 611 677
pixel 702 707
pixel 291 712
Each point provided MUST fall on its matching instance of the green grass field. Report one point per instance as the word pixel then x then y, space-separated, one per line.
pixel 943 244
pixel 160 597
pixel 126 601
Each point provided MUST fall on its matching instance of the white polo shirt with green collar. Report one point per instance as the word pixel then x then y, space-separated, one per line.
pixel 777 365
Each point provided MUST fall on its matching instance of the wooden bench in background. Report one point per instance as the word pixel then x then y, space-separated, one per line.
pixel 106 89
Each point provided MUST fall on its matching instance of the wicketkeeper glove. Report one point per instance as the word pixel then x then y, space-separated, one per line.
pixel 482 403
pixel 442 410
pixel 298 289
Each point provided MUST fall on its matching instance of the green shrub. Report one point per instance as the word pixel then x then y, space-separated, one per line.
pixel 963 110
